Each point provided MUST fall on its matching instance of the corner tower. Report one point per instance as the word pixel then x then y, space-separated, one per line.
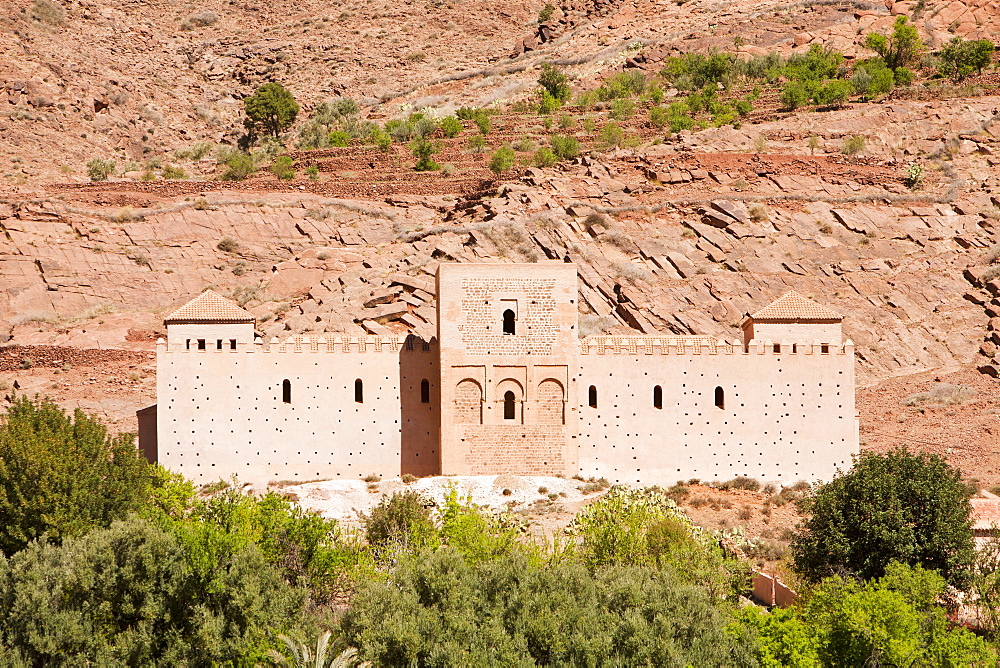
pixel 508 345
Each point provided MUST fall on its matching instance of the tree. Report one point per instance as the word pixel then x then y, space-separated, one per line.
pixel 271 108
pixel 900 49
pixel 960 58
pixel 894 621
pixel 794 95
pixel 907 507
pixel 502 160
pixel 437 609
pixel 834 93
pixel 423 149
pixel 62 475
pixel 133 594
pixel 554 82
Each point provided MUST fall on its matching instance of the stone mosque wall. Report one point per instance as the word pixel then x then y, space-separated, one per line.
pixel 506 387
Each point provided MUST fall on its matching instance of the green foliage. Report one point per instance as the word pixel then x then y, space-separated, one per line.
pixel 622 110
pixel 853 145
pixel 282 168
pixel 833 93
pixel 171 172
pixel 400 521
pixel 612 135
pixel 475 533
pixel 548 103
pixel 437 609
pixel 891 622
pixel 544 157
pixel 502 160
pixel 477 143
pixel 655 93
pixel 339 138
pixel 381 139
pixel 794 94
pixel 901 506
pixel 423 149
pixel 451 126
pixel 555 83
pixel 623 85
pixel 482 121
pixel 62 475
pixel 901 49
pixel 693 71
pixel 545 14
pixel 271 109
pixel 129 595
pixel 312 171
pixel 817 64
pixel 239 165
pixel 566 147
pixel 960 58
pixel 99 169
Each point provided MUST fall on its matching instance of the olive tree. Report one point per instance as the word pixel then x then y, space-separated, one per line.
pixel 271 108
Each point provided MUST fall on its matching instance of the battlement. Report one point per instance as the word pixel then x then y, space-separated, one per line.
pixel 706 345
pixel 327 343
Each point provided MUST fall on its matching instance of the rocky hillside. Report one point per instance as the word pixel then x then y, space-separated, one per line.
pixel 673 231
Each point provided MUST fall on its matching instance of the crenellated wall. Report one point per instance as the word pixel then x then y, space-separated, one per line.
pixel 223 412
pixel 781 416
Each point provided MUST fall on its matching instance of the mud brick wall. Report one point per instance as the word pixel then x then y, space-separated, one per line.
pixel 515 450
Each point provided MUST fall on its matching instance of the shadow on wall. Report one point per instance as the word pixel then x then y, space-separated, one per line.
pixel 419 404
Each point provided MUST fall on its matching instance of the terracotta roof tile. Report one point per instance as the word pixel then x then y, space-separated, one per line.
pixel 210 306
pixel 793 306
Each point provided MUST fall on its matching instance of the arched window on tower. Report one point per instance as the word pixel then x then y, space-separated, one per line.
pixel 508 322
pixel 658 397
pixel 720 398
pixel 509 410
pixel 359 391
pixel 592 397
pixel 425 391
pixel 286 391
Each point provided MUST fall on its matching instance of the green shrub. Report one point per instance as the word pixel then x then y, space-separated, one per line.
pixel 622 110
pixel 545 14
pixel 547 103
pixel 62 474
pixel 565 147
pixel 834 93
pixel 136 594
pixel 794 95
pixel 509 611
pixel 658 116
pixel 171 172
pixel 901 49
pixel 99 169
pixel 555 83
pixel 271 108
pixel 655 93
pixel 477 143
pixel 960 58
pixel 623 85
pixel 402 520
pixel 239 165
pixel 901 506
pixel 339 138
pixel 423 149
pixel 282 168
pixel 612 134
pixel 743 107
pixel 381 139
pixel 451 126
pixel 853 145
pixel 483 122
pixel 544 157
pixel 502 160
pixel 312 171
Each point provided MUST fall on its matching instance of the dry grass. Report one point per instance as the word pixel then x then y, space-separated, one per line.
pixel 942 394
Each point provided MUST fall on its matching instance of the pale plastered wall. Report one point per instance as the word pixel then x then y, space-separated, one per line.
pixel 786 417
pixel 221 413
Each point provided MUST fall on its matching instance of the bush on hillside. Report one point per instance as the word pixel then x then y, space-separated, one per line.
pixel 960 58
pixel 99 169
pixel 271 109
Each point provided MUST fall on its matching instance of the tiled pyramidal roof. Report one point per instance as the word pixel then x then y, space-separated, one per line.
pixel 210 306
pixel 793 306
